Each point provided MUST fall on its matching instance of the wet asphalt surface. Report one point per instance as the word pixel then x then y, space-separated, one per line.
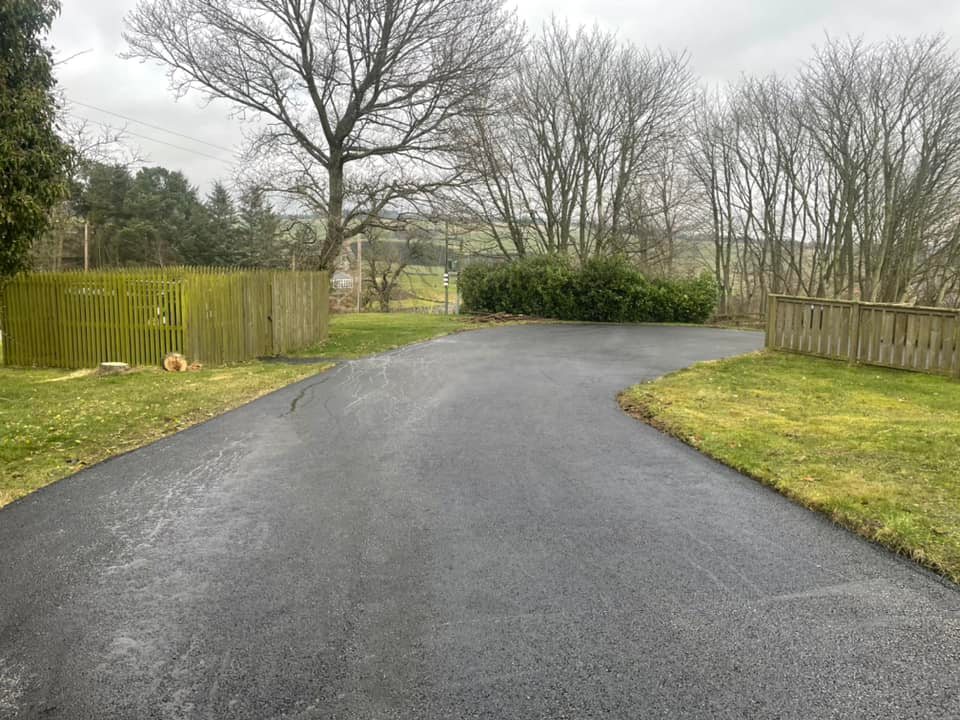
pixel 468 528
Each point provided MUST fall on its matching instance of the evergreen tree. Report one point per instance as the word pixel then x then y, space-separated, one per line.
pixel 259 230
pixel 154 218
pixel 219 242
pixel 166 219
pixel 99 197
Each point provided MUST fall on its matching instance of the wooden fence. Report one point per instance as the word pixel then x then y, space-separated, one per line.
pixel 211 315
pixel 922 339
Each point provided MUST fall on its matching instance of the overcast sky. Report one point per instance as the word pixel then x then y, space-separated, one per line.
pixel 724 38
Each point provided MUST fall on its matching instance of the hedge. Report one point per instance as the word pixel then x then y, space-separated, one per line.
pixel 602 290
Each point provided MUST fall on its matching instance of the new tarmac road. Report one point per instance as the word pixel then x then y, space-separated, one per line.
pixel 467 528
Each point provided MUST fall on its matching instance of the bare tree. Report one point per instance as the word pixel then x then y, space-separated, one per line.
pixel 490 195
pixel 370 85
pixel 386 262
pixel 711 162
pixel 659 212
pixel 842 181
pixel 558 163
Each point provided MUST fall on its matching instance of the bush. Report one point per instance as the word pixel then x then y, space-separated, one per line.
pixel 542 286
pixel 690 300
pixel 602 290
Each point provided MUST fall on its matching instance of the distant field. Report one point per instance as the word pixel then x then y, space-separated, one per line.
pixel 423 288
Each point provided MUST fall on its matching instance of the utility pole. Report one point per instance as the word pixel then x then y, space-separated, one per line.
pixel 459 268
pixel 86 246
pixel 359 271
pixel 446 267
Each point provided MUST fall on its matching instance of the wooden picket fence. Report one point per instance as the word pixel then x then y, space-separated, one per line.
pixel 211 315
pixel 922 339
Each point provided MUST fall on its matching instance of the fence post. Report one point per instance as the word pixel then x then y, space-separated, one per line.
pixel 853 353
pixel 955 361
pixel 770 340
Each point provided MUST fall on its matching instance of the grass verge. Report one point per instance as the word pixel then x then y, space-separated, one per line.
pixel 55 422
pixel 874 449
pixel 355 335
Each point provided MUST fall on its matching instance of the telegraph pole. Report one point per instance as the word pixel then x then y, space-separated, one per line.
pixel 86 246
pixel 459 268
pixel 359 271
pixel 446 267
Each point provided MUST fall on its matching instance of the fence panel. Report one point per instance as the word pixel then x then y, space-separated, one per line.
pixel 921 339
pixel 215 316
pixel 814 327
pixel 300 309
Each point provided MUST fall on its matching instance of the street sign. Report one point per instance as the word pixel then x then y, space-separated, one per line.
pixel 446 279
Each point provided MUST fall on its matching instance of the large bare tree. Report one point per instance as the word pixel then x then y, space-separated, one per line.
pixel 356 98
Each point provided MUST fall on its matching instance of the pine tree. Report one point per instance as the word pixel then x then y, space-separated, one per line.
pixel 220 238
pixel 259 229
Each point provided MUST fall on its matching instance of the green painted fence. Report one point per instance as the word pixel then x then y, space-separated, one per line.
pixel 211 315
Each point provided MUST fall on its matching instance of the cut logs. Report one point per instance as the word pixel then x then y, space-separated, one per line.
pixel 498 317
pixel 175 362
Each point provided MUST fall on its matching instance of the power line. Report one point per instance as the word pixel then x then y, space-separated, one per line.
pixel 153 127
pixel 161 142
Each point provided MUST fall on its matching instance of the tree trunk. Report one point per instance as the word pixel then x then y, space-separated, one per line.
pixel 330 247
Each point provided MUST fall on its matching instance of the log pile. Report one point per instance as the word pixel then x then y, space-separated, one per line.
pixel 499 317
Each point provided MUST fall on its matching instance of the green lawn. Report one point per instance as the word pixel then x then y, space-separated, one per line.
pixel 354 335
pixel 55 422
pixel 876 450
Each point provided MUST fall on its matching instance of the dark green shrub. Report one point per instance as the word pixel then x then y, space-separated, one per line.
pixel 602 290
pixel 473 285
pixel 541 286
pixel 687 300
pixel 609 289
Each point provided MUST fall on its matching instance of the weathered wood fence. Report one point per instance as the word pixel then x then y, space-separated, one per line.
pixel 211 315
pixel 922 339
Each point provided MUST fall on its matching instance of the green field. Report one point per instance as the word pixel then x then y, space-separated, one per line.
pixel 874 449
pixel 422 287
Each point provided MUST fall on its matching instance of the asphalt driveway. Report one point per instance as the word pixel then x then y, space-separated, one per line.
pixel 468 528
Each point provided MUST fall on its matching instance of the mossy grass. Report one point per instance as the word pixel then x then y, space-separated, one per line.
pixel 874 449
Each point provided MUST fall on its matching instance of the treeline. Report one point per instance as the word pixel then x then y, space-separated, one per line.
pixel 156 217
pixel 842 180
